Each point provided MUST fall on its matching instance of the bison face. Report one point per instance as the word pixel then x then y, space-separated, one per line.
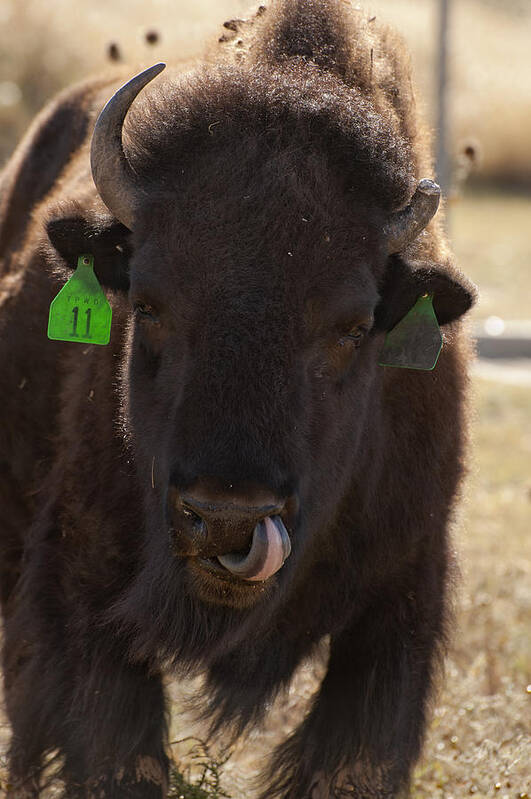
pixel 250 362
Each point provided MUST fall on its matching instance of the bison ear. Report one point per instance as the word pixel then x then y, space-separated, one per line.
pixel 406 281
pixel 102 236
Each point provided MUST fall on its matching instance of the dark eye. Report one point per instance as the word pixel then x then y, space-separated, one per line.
pixel 355 335
pixel 144 311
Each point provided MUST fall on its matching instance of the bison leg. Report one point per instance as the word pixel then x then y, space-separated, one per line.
pixel 114 746
pixel 365 729
pixel 104 718
pixel 28 740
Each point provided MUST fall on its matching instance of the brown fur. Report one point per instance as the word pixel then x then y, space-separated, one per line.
pixel 267 175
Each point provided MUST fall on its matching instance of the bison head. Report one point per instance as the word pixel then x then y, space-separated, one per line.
pixel 256 234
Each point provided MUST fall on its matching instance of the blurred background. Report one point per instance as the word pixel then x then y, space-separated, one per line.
pixel 480 741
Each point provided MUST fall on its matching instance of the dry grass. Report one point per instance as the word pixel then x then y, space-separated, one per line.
pixel 480 738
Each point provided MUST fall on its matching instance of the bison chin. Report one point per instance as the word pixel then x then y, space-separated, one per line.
pixel 215 585
pixel 183 612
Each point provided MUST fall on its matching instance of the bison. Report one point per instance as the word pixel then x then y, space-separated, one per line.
pixel 235 477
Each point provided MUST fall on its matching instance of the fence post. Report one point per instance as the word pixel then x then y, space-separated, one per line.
pixel 443 165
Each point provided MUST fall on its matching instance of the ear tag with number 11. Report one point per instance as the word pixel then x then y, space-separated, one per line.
pixel 416 341
pixel 81 312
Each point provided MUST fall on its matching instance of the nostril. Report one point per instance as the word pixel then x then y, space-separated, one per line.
pixel 216 518
pixel 180 505
pixel 195 522
pixel 188 530
pixel 192 515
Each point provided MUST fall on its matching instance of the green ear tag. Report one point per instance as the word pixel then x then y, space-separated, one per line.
pixel 80 312
pixel 416 341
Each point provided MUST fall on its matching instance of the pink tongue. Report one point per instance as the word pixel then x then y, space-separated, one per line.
pixel 270 547
pixel 275 552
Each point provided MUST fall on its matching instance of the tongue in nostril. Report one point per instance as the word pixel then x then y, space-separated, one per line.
pixel 269 549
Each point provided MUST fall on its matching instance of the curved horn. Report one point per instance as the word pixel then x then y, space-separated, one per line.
pixel 406 225
pixel 111 173
pixel 270 547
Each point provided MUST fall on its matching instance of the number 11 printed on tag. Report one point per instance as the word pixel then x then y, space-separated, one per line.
pixel 80 312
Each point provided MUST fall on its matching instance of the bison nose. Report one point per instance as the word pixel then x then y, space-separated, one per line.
pixel 237 510
pixel 239 527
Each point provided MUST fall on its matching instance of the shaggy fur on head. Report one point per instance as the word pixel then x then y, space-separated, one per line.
pixel 309 72
pixel 250 303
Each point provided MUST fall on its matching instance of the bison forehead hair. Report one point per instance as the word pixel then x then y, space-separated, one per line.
pixel 278 117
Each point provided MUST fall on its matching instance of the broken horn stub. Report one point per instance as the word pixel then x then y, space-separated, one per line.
pixel 111 172
pixel 405 225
